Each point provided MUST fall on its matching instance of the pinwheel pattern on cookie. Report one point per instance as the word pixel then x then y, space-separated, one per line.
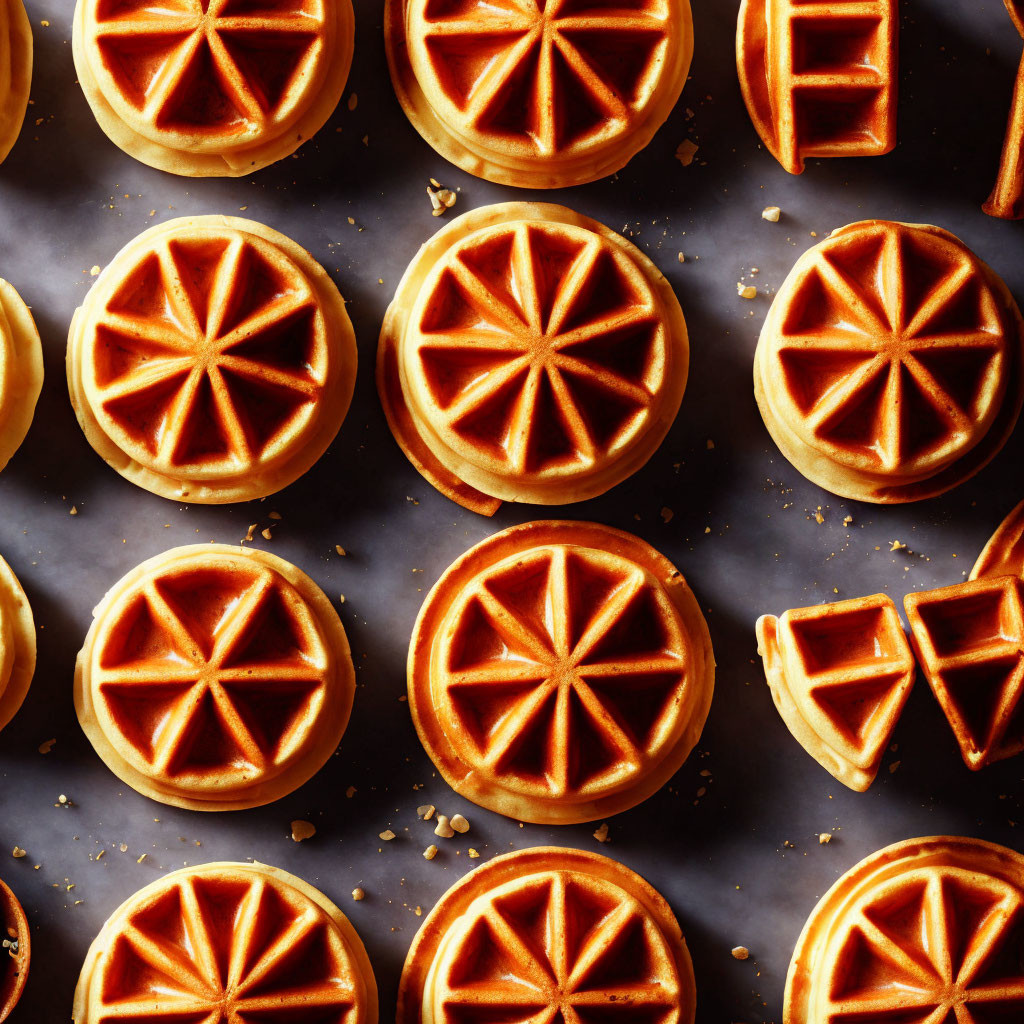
pixel 538 93
pixel 889 367
pixel 213 678
pixel 840 675
pixel 560 672
pixel 227 942
pixel 212 361
pixel 926 931
pixel 549 935
pixel 531 355
pixel 969 640
pixel 212 87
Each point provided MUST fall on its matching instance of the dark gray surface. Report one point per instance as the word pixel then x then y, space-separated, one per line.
pixel 721 861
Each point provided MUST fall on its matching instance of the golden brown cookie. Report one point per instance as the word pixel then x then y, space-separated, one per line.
pixel 227 942
pixel 212 87
pixel 215 678
pixel 17 644
pixel 212 361
pixel 15 71
pixel 530 354
pixel 548 934
pixel 560 672
pixel 21 371
pixel 890 367
pixel 17 952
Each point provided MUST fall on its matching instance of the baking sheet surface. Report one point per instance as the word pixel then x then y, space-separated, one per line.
pixel 735 851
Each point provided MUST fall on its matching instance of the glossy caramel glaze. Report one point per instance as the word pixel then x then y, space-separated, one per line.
pixel 548 935
pixel 532 355
pixel 927 931
pixel 212 360
pixel 206 87
pixel 969 640
pixel 889 367
pixel 538 93
pixel 840 675
pixel 214 678
pixel 560 672
pixel 820 79
pixel 225 943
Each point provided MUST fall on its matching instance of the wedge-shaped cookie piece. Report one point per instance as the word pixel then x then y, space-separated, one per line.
pixel 928 931
pixel 549 935
pixel 969 640
pixel 819 79
pixel 1003 555
pixel 840 675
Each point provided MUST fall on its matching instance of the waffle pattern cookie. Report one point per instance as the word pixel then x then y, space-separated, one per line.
pixel 212 87
pixel 227 942
pixel 215 678
pixel 15 71
pixel 212 361
pixel 560 672
pixel 924 932
pixel 840 675
pixel 538 93
pixel 969 639
pixel 889 368
pixel 530 354
pixel 14 960
pixel 17 644
pixel 548 934
pixel 1004 553
pixel 21 371
pixel 819 79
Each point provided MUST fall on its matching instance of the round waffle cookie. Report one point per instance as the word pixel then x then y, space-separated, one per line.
pixel 538 93
pixel 212 87
pixel 215 678
pixel 14 959
pixel 530 354
pixel 1003 555
pixel 227 942
pixel 17 644
pixel 212 361
pixel 15 71
pixel 927 931
pixel 21 370
pixel 889 368
pixel 548 934
pixel 560 672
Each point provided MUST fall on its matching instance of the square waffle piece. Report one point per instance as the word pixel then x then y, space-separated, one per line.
pixel 840 675
pixel 969 640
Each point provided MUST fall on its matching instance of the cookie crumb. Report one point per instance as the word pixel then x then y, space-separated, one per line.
pixel 358 894
pixel 302 830
pixel 740 953
pixel 601 832
pixel 772 213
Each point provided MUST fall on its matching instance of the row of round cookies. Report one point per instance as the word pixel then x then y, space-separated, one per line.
pixel 533 93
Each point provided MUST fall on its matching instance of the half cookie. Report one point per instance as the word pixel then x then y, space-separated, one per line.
pixel 17 644
pixel 560 672
pixel 227 942
pixel 538 93
pixel 215 678
pixel 212 361
pixel 549 934
pixel 927 931
pixel 819 79
pixel 15 71
pixel 889 368
pixel 212 87
pixel 21 370
pixel 969 640
pixel 530 354
pixel 840 675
